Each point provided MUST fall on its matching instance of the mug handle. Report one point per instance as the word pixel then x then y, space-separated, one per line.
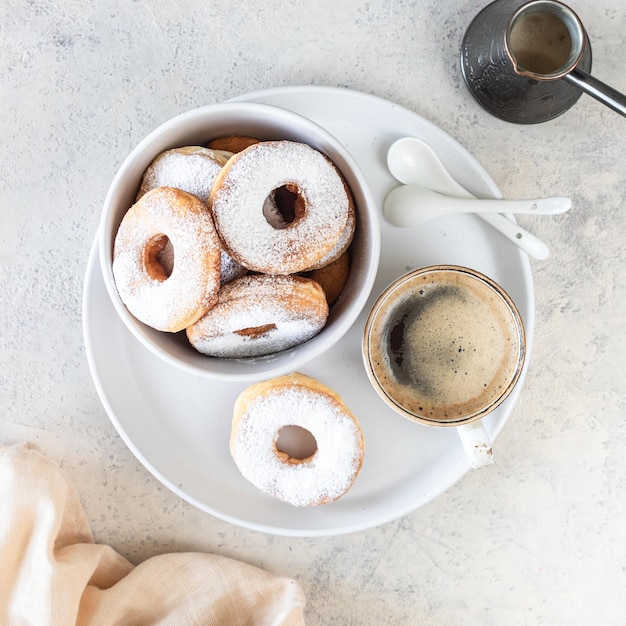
pixel 476 443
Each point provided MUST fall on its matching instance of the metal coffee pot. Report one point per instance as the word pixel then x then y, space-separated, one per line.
pixel 528 62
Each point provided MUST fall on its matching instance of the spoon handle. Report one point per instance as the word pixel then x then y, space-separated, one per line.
pixel 522 238
pixel 525 240
pixel 540 206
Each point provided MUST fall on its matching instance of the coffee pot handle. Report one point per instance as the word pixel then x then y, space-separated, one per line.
pixel 598 90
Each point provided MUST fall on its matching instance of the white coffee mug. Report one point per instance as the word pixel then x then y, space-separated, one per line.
pixel 444 346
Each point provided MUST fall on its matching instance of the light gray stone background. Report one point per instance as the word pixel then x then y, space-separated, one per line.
pixel 537 538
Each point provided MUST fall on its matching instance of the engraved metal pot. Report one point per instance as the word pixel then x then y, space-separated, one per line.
pixel 493 67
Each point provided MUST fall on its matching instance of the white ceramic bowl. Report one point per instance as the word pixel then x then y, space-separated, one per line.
pixel 196 127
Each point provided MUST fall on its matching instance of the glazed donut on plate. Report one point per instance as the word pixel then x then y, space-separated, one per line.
pixel 232 143
pixel 258 314
pixel 190 168
pixel 263 409
pixel 164 293
pixel 332 277
pixel 240 194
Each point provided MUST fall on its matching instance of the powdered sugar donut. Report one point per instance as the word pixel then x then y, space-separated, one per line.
pixel 258 314
pixel 239 201
pixel 167 294
pixel 265 408
pixel 190 168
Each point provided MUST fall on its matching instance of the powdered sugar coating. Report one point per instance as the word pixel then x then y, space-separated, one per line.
pixel 327 475
pixel 288 310
pixel 230 269
pixel 240 193
pixel 191 289
pixel 342 244
pixel 190 168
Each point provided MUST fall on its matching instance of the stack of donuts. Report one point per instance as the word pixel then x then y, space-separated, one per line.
pixel 242 243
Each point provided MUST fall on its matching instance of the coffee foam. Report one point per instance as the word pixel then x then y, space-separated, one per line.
pixel 445 346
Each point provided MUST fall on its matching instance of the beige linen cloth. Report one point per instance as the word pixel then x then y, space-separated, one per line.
pixel 52 572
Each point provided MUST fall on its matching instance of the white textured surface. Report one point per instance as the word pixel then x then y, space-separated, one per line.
pixel 536 538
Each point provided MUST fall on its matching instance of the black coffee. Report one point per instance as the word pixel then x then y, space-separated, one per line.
pixel 445 349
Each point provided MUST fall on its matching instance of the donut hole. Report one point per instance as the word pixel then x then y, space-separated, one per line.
pixel 159 257
pixel 256 332
pixel 295 444
pixel 284 206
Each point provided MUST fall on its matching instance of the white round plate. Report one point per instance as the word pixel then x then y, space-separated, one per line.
pixel 178 425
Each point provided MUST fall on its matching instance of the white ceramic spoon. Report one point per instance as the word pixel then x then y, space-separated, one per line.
pixel 409 205
pixel 412 161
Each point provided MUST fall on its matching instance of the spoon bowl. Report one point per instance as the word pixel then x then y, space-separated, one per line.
pixel 413 162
